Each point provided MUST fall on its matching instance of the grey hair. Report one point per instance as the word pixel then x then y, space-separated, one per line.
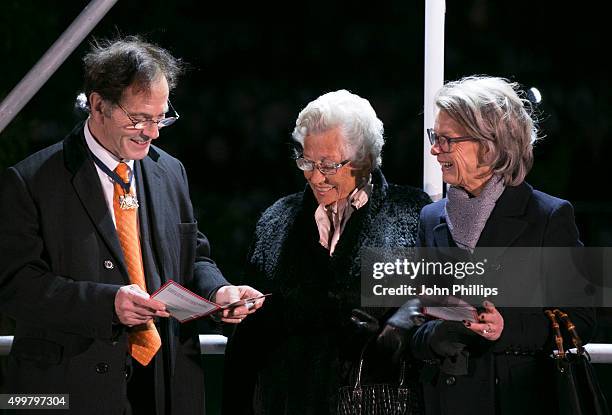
pixel 496 111
pixel 362 130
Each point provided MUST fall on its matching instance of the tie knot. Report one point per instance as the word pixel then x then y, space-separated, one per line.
pixel 122 171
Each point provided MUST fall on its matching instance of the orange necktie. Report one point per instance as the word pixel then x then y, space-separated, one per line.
pixel 143 340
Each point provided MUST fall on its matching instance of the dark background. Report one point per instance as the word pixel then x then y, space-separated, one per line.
pixel 254 67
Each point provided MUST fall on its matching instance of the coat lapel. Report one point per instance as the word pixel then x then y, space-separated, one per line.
pixel 505 224
pixel 154 190
pixel 87 186
pixel 162 245
pixel 441 234
pixel 444 242
pixel 148 252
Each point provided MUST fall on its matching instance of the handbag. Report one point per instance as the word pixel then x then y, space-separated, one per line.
pixel 403 398
pixel 578 391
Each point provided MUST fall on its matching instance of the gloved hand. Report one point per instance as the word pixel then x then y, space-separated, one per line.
pixel 395 336
pixel 443 338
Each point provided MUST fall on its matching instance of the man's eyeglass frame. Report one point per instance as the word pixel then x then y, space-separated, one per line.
pixel 141 125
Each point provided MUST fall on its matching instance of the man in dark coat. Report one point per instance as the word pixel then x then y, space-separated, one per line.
pixel 78 291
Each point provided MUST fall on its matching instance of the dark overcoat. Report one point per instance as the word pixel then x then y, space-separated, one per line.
pixel 513 374
pixel 61 265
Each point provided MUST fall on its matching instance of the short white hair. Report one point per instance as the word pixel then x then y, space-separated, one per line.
pixel 361 129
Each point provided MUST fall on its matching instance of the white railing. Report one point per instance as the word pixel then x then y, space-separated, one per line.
pixel 209 344
pixel 214 344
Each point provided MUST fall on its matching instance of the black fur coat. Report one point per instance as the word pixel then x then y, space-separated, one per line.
pixel 292 355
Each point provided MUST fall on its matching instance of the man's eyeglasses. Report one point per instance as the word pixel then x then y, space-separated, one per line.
pixel 443 142
pixel 326 168
pixel 142 124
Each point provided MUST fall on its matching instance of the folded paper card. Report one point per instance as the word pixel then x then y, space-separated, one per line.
pixel 185 305
pixel 454 309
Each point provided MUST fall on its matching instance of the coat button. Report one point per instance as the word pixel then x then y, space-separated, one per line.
pixel 102 368
pixel 108 264
pixel 450 381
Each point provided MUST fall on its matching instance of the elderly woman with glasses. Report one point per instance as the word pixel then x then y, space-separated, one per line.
pixel 306 252
pixel 483 138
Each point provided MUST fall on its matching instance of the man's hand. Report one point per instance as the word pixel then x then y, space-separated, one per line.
pixel 134 307
pixel 231 293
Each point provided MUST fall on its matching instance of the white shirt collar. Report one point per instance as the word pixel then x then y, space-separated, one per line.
pixel 108 158
pixel 331 220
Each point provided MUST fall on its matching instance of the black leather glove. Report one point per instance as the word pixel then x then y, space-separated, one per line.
pixel 447 341
pixel 394 338
pixel 408 316
pixel 443 338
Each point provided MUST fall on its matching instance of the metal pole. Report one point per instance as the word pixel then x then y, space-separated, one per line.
pixel 52 59
pixel 434 78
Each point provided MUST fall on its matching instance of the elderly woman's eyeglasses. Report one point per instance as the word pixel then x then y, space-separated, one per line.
pixel 443 142
pixel 326 168
pixel 142 124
